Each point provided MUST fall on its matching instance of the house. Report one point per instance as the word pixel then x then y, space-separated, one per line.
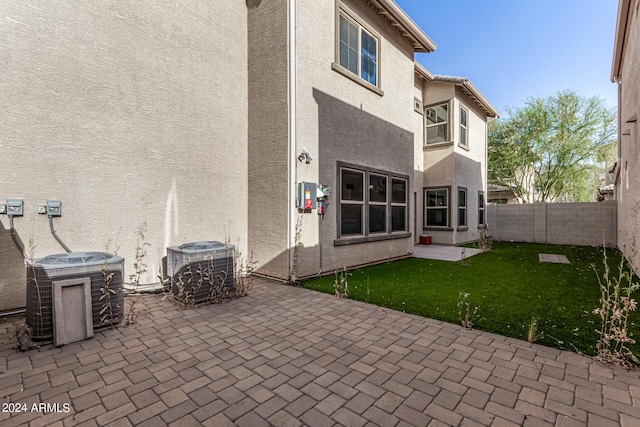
pixel 192 124
pixel 454 157
pixel 500 194
pixel 626 72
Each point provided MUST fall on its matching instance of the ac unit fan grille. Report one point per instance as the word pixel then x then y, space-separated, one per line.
pixel 40 303
pixel 199 274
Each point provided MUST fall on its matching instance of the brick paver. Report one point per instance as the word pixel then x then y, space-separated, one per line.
pixel 288 356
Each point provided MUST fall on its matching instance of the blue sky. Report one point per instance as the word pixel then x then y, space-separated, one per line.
pixel 515 49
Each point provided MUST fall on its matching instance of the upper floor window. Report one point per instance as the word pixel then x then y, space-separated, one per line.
pixel 358 50
pixel 464 130
pixel 437 123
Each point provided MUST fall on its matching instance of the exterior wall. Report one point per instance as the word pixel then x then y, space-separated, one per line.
pixel 339 120
pixel 126 112
pixel 268 137
pixel 451 165
pixel 586 224
pixel 417 197
pixel 471 166
pixel 628 184
pixel 439 160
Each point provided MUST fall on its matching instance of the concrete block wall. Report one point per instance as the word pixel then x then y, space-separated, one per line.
pixel 510 222
pixel 588 224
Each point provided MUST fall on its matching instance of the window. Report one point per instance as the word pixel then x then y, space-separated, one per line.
pixel 352 203
pixel 398 204
pixel 380 210
pixel 462 207
pixel 437 123
pixel 358 50
pixel 481 222
pixel 436 207
pixel 463 128
pixel 377 203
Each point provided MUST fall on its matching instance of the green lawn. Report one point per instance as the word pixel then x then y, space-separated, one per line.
pixel 509 286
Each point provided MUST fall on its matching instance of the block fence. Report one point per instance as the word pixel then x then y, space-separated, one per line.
pixel 586 224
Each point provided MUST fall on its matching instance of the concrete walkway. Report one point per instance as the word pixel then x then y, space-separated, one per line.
pixel 286 356
pixel 443 253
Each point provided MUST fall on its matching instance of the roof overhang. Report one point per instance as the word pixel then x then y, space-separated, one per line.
pixel 622 22
pixel 464 84
pixel 398 19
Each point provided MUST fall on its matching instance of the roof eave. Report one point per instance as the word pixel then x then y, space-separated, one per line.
pixel 472 91
pixel 397 18
pixel 422 72
pixel 618 45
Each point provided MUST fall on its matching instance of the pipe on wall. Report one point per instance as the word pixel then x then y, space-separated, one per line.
pixel 293 134
pixel 16 237
pixel 56 236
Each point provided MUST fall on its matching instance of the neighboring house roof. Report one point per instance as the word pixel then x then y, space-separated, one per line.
pixel 621 33
pixel 606 189
pixel 497 188
pixel 398 19
pixel 464 84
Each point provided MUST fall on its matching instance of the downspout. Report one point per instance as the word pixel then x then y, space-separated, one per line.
pixel 293 133
pixel 486 176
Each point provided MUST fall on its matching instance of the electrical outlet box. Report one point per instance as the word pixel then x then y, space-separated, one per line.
pixel 306 195
pixel 3 208
pixel 42 209
pixel 15 207
pixel 54 208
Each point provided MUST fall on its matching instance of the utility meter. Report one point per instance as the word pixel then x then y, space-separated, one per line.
pixel 307 195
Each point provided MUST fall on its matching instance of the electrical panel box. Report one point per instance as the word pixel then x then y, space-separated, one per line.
pixel 306 195
pixel 15 207
pixel 54 208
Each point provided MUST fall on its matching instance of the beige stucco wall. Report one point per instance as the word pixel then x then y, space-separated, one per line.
pixel 417 198
pixel 130 112
pixel 627 192
pixel 450 165
pixel 340 120
pixel 268 136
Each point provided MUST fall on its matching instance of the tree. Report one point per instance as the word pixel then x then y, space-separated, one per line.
pixel 547 150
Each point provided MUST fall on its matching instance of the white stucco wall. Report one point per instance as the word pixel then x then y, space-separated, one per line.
pixel 129 113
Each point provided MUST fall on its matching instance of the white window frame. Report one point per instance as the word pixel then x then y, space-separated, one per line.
pixel 447 207
pixel 349 16
pixel 447 124
pixel 464 129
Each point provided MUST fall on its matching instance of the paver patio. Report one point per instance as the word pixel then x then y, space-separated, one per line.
pixel 287 356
